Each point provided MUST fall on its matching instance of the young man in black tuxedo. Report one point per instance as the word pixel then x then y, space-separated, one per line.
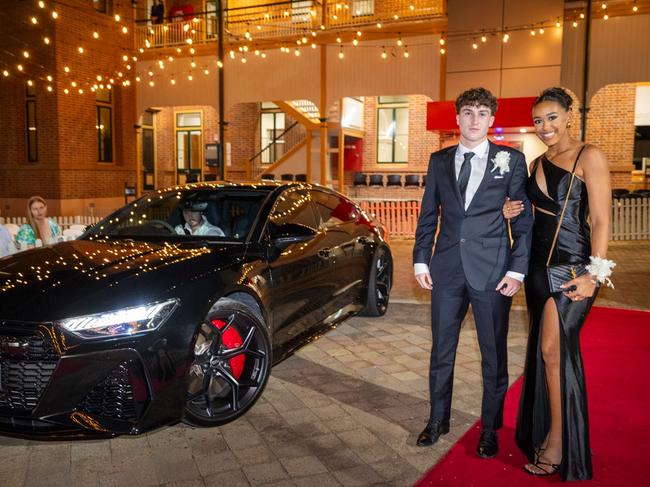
pixel 474 260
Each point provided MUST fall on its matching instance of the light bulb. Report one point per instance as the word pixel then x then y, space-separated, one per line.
pixel 483 39
pixel 96 35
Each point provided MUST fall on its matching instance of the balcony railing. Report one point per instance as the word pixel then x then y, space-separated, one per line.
pixel 282 20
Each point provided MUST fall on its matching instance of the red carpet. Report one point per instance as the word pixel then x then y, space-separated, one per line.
pixel 616 353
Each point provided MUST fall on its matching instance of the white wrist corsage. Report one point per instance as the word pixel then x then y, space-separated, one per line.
pixel 501 162
pixel 601 269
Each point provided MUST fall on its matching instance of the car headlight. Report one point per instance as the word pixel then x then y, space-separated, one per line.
pixel 121 322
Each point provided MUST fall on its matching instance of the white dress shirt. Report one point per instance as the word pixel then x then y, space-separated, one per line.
pixel 479 164
pixel 206 229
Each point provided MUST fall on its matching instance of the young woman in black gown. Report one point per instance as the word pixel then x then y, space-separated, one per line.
pixel 552 425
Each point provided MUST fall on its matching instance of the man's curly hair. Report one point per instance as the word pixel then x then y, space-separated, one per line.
pixel 476 97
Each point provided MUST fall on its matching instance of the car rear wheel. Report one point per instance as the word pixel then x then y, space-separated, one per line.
pixel 232 357
pixel 379 283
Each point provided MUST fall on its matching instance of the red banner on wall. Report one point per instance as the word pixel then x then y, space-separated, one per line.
pixel 511 112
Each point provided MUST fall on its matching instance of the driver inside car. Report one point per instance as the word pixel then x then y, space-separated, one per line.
pixel 195 221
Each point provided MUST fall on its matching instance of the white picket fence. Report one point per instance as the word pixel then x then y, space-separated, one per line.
pixel 63 221
pixel 630 217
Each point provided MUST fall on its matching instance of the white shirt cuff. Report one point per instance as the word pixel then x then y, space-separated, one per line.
pixel 420 268
pixel 516 275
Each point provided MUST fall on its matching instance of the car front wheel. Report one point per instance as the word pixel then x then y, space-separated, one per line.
pixel 232 356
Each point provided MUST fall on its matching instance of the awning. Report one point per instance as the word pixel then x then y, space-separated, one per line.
pixel 511 112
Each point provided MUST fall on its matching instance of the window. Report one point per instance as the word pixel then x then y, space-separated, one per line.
pixel 272 125
pixel 189 141
pixel 392 129
pixel 104 126
pixel 30 124
pixel 101 5
pixel 293 206
pixel 148 151
pixel 332 210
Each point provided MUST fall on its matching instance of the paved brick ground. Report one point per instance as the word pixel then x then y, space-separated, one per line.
pixel 345 410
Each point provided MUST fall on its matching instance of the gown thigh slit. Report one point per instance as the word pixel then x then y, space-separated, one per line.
pixel 573 246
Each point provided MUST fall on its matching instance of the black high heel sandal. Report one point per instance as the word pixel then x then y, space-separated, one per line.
pixel 554 468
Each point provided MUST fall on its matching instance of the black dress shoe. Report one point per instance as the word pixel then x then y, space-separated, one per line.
pixel 432 431
pixel 487 445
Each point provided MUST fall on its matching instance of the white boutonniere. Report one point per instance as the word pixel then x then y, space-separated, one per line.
pixel 501 162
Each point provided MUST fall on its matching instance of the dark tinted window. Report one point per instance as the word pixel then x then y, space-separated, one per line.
pixel 294 206
pixel 332 209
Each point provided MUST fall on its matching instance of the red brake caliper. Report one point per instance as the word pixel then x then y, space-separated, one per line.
pixel 232 339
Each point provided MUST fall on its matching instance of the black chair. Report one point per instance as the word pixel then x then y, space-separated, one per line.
pixel 412 180
pixel 359 179
pixel 301 178
pixel 209 177
pixel 394 180
pixel 618 192
pixel 286 177
pixel 268 176
pixel 376 180
pixel 192 178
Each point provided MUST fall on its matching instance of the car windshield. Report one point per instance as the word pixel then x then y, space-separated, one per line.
pixel 221 213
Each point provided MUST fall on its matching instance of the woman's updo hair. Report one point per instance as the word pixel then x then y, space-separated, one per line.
pixel 558 95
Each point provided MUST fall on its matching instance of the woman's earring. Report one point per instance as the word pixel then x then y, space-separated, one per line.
pixel 568 124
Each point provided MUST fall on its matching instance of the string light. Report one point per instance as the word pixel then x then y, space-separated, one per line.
pixel 635 9
pixel 66 69
pixel 474 45
pixel 49 78
pixel 603 6
pixel 582 15
pixel 25 54
pixel 379 25
pixel 399 40
pixel 41 4
pixel 19 67
pixel 575 24
pixel 125 29
pixel 506 37
pixel 355 42
pixel 34 20
pixel 46 40
pixel 55 15
pixel 117 17
pixel 442 50
pixel 80 49
pixel 96 35
pixel 383 53
pixel 341 55
pixel 442 41
pixel 49 88
pixel 66 91
pixel 605 17
pixel 30 82
pixel 5 73
pixel 541 30
pixel 557 23
pixel 532 32
pixel 219 64
pixel 483 39
pixel 406 51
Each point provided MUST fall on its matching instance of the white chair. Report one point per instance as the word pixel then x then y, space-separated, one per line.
pixel 12 228
pixel 77 227
pixel 73 233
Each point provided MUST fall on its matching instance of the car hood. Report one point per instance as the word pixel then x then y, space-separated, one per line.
pixel 82 276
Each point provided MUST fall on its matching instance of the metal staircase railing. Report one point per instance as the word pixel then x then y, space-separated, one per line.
pixel 281 144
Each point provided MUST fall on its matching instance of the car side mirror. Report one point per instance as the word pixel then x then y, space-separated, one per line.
pixel 290 233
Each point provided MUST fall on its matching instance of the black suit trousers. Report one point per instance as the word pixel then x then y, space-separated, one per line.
pixel 449 304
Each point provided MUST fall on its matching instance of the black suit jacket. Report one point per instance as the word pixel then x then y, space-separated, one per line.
pixel 476 238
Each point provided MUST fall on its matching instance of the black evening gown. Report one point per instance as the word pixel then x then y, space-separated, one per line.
pixel 573 246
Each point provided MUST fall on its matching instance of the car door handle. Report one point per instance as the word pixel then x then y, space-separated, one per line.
pixel 325 253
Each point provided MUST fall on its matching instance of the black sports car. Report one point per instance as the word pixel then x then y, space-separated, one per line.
pixel 176 306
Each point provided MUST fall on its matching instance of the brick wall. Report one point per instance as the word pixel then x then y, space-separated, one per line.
pixel 610 126
pixel 67 168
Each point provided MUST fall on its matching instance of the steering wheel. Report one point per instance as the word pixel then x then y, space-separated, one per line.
pixel 163 224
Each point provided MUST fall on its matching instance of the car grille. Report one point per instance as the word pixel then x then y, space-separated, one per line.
pixel 114 397
pixel 26 365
